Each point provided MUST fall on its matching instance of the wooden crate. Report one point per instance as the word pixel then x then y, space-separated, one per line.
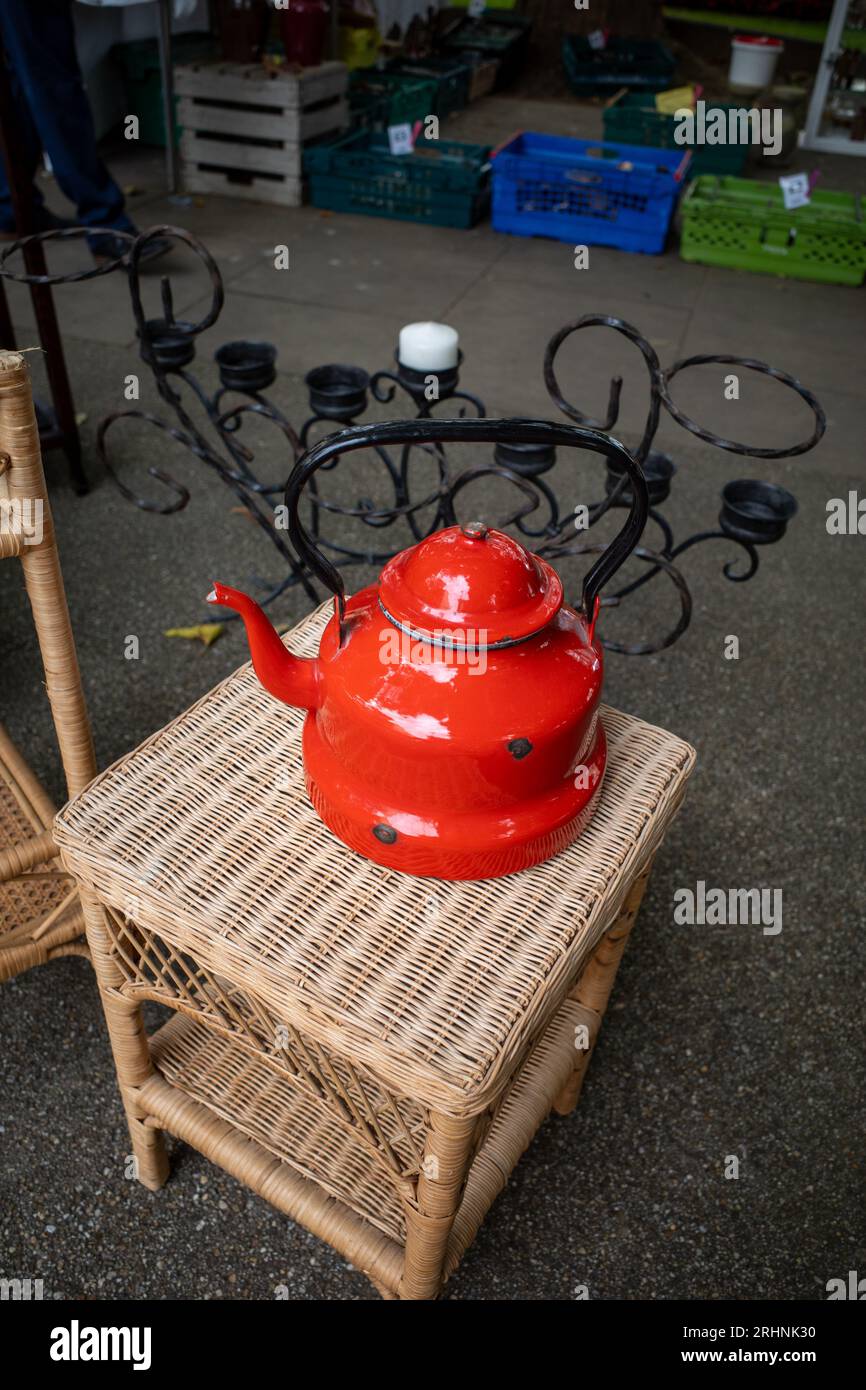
pixel 243 127
pixel 483 78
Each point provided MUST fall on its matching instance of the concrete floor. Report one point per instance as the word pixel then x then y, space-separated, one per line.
pixel 720 1040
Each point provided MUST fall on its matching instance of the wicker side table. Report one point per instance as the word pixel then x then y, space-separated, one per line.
pixel 370 1052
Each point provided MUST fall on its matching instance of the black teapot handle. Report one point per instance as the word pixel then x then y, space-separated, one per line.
pixel 470 432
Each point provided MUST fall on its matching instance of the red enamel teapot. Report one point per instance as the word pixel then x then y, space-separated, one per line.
pixel 452 727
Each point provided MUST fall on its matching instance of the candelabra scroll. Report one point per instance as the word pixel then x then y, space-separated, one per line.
pixel 338 395
pixel 167 345
pixel 426 390
pixel 754 512
pixel 516 432
pixel 659 563
pixel 653 367
pixel 753 365
pixel 74 277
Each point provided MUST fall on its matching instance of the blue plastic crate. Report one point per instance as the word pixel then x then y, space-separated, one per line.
pixel 587 192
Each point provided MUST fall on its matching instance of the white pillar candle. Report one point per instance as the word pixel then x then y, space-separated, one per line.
pixel 428 347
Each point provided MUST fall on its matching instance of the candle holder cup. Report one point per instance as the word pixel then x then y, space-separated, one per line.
pixel 755 511
pixel 526 460
pixel 246 366
pixel 417 381
pixel 337 392
pixel 169 344
pixel 659 470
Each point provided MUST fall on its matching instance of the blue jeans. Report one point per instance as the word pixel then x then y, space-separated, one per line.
pixel 54 114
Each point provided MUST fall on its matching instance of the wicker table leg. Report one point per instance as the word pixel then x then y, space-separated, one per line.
pixel 595 984
pixel 129 1044
pixel 429 1221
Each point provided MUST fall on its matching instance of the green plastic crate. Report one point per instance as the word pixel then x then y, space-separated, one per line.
pixel 379 99
pixel 495 34
pixel 142 78
pixel 642 65
pixel 444 182
pixel 452 75
pixel 634 120
pixel 744 224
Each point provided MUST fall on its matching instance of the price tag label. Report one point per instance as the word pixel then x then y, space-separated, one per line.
pixel 400 139
pixel 598 38
pixel 477 8
pixel 795 190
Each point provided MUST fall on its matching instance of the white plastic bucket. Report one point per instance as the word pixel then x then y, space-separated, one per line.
pixel 753 62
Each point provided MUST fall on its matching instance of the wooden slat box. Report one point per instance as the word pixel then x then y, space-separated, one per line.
pixel 483 78
pixel 244 127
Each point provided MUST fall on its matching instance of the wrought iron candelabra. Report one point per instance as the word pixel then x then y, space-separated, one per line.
pixel 753 513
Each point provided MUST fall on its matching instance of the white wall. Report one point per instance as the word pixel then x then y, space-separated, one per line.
pixel 403 10
pixel 101 23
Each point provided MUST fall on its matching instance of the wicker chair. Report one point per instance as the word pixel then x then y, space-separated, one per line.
pixel 40 910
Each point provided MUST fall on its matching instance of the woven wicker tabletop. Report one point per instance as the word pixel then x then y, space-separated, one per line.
pixel 204 833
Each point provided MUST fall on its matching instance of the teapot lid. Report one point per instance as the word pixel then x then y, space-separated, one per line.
pixel 470 579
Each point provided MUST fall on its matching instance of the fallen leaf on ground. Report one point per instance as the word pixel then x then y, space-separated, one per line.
pixel 202 632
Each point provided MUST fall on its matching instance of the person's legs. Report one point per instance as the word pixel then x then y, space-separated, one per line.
pixel 28 151
pixel 40 46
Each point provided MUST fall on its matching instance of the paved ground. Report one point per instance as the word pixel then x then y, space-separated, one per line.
pixel 720 1040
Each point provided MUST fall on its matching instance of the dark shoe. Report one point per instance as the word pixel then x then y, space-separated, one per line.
pixel 108 246
pixel 44 220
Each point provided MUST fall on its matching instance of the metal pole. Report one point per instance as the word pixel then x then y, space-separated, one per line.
pixel 164 9
pixel 335 29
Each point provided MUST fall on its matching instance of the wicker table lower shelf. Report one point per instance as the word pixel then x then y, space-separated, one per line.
pixel 40 914
pixel 279 1140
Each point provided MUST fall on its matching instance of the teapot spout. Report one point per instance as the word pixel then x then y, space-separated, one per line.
pixel 292 679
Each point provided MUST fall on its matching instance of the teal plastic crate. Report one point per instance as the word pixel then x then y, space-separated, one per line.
pixel 643 65
pixel 634 120
pixel 445 183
